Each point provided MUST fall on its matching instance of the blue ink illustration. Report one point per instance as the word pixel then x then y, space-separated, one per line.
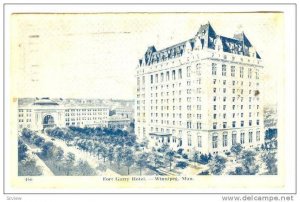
pixel 198 111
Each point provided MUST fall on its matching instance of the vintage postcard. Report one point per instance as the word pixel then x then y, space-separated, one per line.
pixel 157 101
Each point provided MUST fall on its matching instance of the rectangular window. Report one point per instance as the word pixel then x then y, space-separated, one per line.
pixel 241 72
pixel 198 125
pixel 225 143
pixel 214 68
pixel 199 140
pixel 189 140
pixel 250 122
pixel 151 78
pixel 189 124
pixel 257 74
pixel 214 126
pixel 233 138
pixel 173 75
pixel 188 71
pixel 249 73
pixel 214 141
pixel 242 137
pixel 233 124
pixel 167 76
pixel 224 124
pixel 257 136
pixel 161 77
pixel 179 74
pixel 198 69
pixel 242 123
pixel 250 137
pixel 233 71
pixel 223 70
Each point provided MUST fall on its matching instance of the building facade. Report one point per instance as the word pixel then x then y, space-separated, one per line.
pixel 45 112
pixel 202 94
pixel 119 122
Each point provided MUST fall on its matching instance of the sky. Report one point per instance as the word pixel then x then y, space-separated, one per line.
pixel 96 55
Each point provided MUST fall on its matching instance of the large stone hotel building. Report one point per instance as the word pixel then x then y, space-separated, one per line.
pixel 203 94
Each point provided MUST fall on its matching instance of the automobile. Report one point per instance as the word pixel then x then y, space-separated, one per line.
pixel 53 139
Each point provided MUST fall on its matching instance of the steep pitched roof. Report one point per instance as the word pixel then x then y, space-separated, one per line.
pixel 239 44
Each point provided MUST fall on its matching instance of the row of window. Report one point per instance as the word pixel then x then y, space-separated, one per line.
pixel 88 110
pixel 215 141
pixel 234 124
pixel 166 76
pixel 23 120
pixel 234 115
pixel 188 99
pixel 24 110
pixel 22 115
pixel 84 118
pixel 233 71
pixel 234 107
pixel 234 90
pixel 84 114
pixel 238 98
pixel 175 74
pixel 234 82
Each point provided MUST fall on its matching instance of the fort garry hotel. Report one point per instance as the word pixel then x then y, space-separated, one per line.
pixel 202 94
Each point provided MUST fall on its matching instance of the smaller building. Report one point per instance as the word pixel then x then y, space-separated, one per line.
pixel 124 112
pixel 45 112
pixel 118 122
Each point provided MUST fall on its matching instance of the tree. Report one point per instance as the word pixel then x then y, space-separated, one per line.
pixel 238 171
pixel 103 152
pixel 195 156
pixel 110 154
pixel 22 149
pixel 142 160
pixel 119 156
pixel 170 157
pixel 164 148
pixel 271 163
pixel 39 141
pixel 128 159
pixel 203 159
pixel 83 168
pixel 157 159
pixel 28 167
pixel 145 143
pixel 47 150
pixel 59 156
pixel 27 133
pixel 217 165
pixel 236 149
pixel 70 159
pixel 249 163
